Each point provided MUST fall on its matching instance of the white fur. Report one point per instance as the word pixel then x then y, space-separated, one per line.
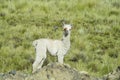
pixel 55 47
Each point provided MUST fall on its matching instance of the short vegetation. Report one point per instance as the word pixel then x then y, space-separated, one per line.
pixel 95 36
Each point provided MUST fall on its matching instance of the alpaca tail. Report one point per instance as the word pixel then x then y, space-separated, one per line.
pixel 34 43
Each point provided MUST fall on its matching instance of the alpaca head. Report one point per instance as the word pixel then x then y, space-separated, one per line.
pixel 67 28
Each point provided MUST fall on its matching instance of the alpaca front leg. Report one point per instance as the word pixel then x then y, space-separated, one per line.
pixel 60 59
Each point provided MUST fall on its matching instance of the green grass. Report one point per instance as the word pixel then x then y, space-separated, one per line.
pixel 95 35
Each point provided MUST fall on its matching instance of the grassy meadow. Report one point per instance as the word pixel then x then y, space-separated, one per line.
pixel 95 36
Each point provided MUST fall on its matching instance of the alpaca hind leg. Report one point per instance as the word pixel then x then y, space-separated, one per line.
pixel 36 64
pixel 41 63
pixel 43 57
pixel 40 57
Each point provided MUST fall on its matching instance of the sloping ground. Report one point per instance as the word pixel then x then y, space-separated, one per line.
pixel 56 71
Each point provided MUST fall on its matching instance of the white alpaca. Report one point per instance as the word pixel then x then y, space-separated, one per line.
pixel 55 47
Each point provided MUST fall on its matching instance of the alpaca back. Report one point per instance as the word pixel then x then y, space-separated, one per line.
pixel 53 46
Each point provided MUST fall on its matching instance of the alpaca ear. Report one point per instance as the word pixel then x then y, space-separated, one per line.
pixel 63 23
pixel 71 25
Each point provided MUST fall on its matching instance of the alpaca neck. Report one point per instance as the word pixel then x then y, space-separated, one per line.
pixel 66 41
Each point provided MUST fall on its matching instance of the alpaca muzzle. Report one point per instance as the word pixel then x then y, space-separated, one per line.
pixel 66 32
